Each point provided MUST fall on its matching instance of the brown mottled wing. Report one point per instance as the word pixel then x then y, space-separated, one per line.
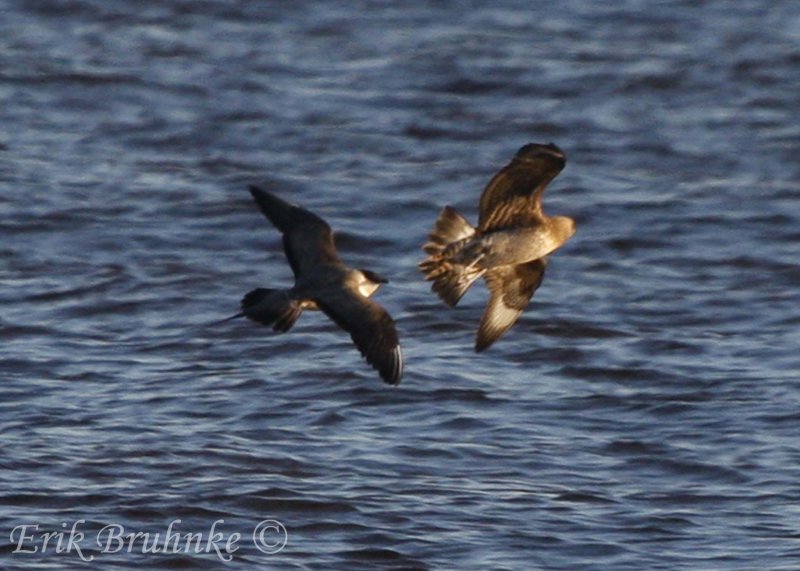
pixel 307 238
pixel 511 289
pixel 371 328
pixel 513 198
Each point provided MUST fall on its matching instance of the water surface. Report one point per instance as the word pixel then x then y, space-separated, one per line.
pixel 641 415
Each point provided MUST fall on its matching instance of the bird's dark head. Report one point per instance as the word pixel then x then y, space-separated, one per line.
pixel 373 277
pixel 369 282
pixel 536 153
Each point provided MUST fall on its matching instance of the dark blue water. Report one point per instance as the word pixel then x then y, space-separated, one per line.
pixel 643 413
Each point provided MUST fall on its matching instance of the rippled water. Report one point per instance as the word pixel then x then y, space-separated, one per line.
pixel 643 414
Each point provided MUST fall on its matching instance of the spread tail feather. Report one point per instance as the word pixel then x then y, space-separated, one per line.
pixel 450 281
pixel 271 307
pixel 450 227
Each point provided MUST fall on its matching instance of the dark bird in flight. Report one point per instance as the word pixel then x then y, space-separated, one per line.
pixel 509 247
pixel 323 281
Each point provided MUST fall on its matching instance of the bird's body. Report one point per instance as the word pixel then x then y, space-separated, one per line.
pixel 508 248
pixel 324 282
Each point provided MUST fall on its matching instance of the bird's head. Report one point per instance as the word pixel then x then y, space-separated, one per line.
pixel 564 227
pixel 369 282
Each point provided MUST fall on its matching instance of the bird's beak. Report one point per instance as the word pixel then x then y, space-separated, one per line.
pixel 373 277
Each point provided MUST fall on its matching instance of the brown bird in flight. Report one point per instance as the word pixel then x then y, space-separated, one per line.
pixel 509 246
pixel 323 281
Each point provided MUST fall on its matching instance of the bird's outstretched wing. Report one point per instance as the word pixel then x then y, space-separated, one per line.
pixel 371 328
pixel 511 289
pixel 513 198
pixel 307 238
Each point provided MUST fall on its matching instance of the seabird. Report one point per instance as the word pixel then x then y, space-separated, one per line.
pixel 509 247
pixel 323 281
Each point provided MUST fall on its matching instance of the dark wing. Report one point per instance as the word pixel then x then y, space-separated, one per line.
pixel 371 328
pixel 513 197
pixel 307 238
pixel 511 290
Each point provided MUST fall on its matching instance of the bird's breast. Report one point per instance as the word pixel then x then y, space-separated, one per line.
pixel 519 245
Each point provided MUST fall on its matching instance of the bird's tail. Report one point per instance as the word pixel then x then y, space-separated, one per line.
pixel 271 307
pixel 450 280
